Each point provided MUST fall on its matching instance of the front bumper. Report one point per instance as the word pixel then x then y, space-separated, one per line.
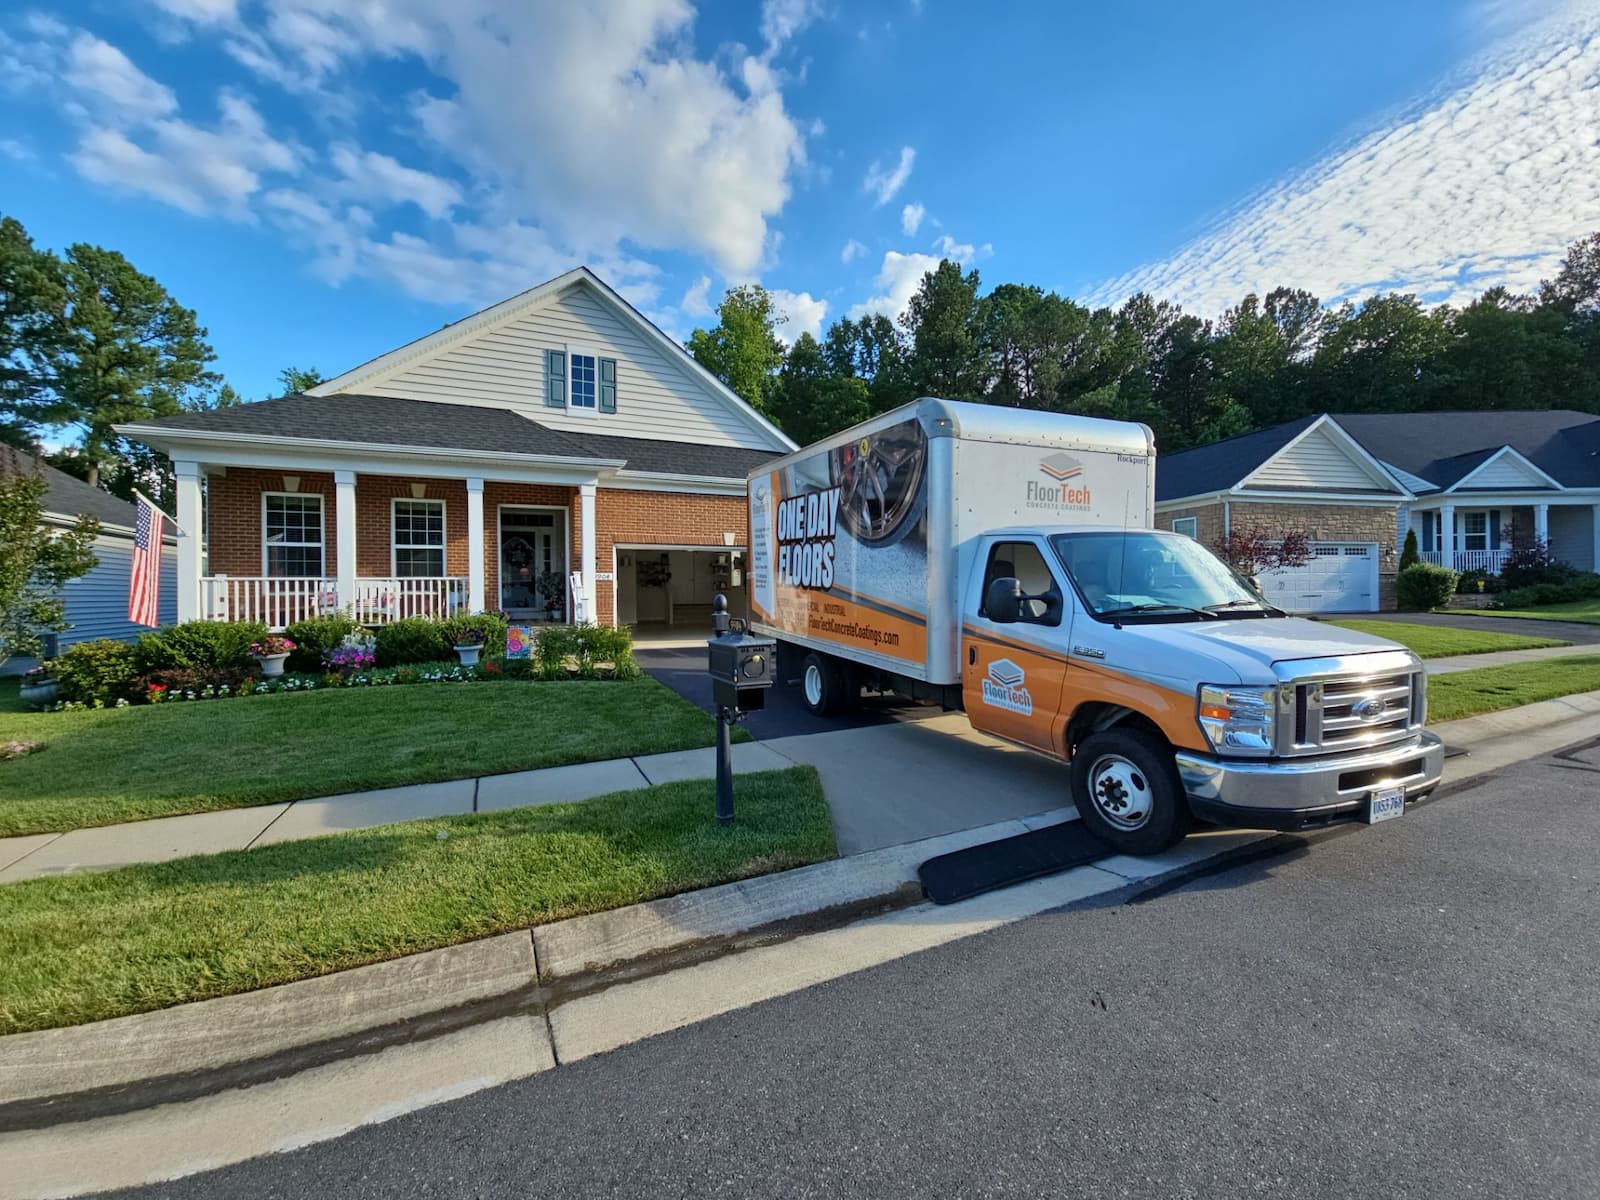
pixel 1297 793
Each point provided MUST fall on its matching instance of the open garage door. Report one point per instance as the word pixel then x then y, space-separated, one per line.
pixel 1341 577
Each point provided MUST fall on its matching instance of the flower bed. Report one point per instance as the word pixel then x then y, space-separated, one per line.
pixel 115 675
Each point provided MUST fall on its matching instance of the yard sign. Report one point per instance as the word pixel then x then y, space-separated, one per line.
pixel 519 641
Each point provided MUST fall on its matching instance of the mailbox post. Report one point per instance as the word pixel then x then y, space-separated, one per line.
pixel 741 669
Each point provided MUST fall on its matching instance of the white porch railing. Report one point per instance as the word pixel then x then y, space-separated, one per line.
pixel 378 601
pixel 278 603
pixel 1469 560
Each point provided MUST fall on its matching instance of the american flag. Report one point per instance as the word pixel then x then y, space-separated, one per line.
pixel 144 586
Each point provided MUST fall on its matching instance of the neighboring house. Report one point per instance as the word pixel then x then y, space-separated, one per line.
pixel 555 436
pixel 1467 482
pixel 97 603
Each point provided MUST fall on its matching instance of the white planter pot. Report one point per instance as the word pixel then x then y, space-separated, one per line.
pixel 468 655
pixel 271 665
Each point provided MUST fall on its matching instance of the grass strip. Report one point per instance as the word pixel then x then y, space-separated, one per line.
pixel 85 947
pixel 1489 689
pixel 1442 641
pixel 1585 611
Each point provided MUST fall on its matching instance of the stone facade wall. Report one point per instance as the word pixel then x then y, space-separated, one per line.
pixel 1331 523
pixel 1208 521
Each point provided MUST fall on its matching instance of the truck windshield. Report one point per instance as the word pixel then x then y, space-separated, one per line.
pixel 1159 575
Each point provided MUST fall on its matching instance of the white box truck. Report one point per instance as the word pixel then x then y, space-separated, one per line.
pixel 1004 562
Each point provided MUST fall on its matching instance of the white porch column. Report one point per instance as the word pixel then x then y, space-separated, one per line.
pixel 344 525
pixel 475 545
pixel 189 548
pixel 588 607
pixel 1541 522
pixel 1447 535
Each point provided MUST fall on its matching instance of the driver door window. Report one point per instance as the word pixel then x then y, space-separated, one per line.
pixel 1012 672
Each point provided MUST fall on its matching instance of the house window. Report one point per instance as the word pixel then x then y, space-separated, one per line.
pixel 418 539
pixel 1475 527
pixel 292 535
pixel 1188 526
pixel 584 370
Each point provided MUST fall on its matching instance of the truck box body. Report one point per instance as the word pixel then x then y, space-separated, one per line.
pixel 859 543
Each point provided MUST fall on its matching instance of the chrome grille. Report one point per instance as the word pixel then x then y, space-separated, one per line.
pixel 1352 711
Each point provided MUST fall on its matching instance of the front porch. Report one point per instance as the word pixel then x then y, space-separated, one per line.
pixel 1482 536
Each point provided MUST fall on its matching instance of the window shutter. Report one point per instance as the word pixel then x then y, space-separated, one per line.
pixel 555 378
pixel 1494 529
pixel 608 385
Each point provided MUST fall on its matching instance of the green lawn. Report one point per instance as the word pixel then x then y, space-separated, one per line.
pixel 1586 611
pixel 102 767
pixel 85 947
pixel 1468 693
pixel 1439 641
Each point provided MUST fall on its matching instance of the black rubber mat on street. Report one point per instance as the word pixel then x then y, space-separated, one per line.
pixel 978 869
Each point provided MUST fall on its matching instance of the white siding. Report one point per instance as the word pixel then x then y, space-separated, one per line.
pixel 97 603
pixel 1315 463
pixel 1505 472
pixel 1402 524
pixel 1572 535
pixel 504 368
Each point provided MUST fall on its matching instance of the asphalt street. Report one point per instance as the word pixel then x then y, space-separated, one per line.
pixel 1407 1010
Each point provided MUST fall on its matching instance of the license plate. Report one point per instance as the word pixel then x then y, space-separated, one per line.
pixel 1386 804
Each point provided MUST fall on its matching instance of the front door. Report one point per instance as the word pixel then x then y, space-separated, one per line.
pixel 1012 672
pixel 532 565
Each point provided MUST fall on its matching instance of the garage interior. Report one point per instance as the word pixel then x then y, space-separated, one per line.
pixel 666 591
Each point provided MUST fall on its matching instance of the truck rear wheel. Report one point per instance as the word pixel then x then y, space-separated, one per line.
pixel 1125 785
pixel 824 685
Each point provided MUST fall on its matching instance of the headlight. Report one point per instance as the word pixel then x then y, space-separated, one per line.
pixel 1238 720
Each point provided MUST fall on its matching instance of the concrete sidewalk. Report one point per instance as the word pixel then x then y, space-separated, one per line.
pixel 1501 658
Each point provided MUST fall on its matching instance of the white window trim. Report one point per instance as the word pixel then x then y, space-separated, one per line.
pixel 322 546
pixel 586 352
pixel 1466 531
pixel 1192 522
pixel 444 532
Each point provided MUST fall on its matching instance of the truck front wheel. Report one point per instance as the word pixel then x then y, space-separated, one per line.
pixel 1127 791
pixel 823 685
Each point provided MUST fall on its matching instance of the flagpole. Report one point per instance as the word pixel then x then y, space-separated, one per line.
pixel 176 528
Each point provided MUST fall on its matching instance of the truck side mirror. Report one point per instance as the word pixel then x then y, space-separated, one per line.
pixel 1003 601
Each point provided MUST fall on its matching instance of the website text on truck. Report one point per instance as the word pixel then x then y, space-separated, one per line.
pixel 1003 562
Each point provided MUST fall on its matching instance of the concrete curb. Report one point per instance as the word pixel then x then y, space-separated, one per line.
pixel 197 1049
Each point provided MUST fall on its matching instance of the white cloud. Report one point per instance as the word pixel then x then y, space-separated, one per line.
pixel 897 281
pixel 961 252
pixel 696 300
pixel 384 181
pixel 852 251
pixel 16 150
pixel 1486 184
pixel 804 312
pixel 105 75
pixel 203 12
pixel 883 182
pixel 783 19
pixel 911 218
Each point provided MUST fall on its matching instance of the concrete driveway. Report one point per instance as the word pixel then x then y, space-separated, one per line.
pixel 893 772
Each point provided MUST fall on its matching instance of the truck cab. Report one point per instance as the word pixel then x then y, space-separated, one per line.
pixel 1174 690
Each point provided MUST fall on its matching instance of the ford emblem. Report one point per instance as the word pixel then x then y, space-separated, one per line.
pixel 1369 709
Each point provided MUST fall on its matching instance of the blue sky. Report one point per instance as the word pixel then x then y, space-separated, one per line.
pixel 325 179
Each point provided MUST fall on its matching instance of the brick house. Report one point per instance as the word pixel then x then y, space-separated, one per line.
pixel 1468 484
pixel 556 456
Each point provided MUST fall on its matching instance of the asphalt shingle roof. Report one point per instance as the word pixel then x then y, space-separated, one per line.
pixel 1443 447
pixel 392 421
pixel 66 495
pixel 1220 465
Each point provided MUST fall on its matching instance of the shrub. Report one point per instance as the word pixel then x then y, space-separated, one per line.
pixel 1424 586
pixel 1583 587
pixel 312 638
pixel 1531 564
pixel 217 648
pixel 491 625
pixel 411 640
pixel 97 672
pixel 1410 556
pixel 587 651
pixel 184 683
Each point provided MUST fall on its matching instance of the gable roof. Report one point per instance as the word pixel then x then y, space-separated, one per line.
pixel 430 424
pixel 1445 447
pixel 1222 465
pixel 66 496
pixel 515 307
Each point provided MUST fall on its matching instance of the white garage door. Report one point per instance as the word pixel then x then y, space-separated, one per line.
pixel 1341 577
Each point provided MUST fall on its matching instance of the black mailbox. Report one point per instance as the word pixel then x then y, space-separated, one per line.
pixel 742 668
